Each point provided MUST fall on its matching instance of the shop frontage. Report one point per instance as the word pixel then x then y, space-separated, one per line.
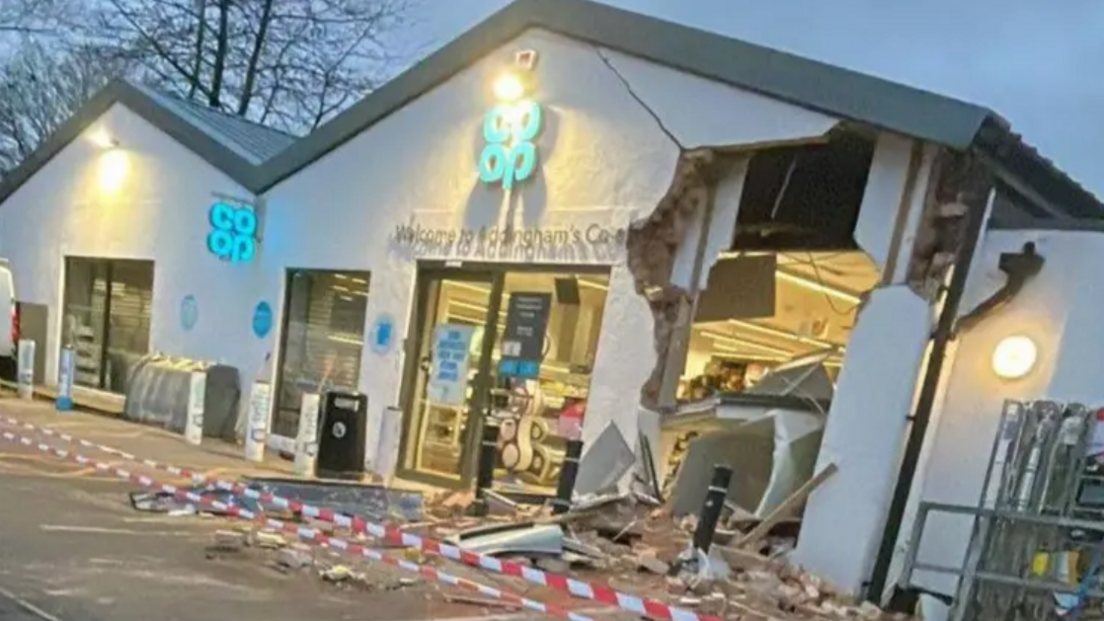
pixel 563 228
pixel 511 342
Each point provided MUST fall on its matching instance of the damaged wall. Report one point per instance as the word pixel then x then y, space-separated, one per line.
pixel 877 388
pixel 1059 310
pixel 606 159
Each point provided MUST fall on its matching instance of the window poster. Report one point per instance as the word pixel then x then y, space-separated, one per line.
pixel 448 380
pixel 523 341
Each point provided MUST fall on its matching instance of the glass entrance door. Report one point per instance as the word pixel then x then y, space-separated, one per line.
pixel 449 388
pixel 512 344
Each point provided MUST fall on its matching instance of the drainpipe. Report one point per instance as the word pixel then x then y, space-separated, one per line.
pixel 944 333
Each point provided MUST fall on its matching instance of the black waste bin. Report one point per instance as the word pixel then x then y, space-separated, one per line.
pixel 342 434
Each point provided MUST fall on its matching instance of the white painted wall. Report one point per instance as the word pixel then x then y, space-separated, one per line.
pixel 156 211
pixel 604 160
pixel 868 420
pixel 1059 309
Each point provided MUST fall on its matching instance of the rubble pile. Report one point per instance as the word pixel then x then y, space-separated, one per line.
pixel 635 546
pixel 627 541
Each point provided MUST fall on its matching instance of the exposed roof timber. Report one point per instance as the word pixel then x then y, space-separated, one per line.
pixel 839 92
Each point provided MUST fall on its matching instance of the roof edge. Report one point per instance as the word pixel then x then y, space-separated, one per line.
pixel 120 91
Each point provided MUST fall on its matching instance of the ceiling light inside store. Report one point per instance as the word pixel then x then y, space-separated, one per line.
pixel 782 334
pixel 593 284
pixel 1014 357
pixel 737 342
pixel 813 285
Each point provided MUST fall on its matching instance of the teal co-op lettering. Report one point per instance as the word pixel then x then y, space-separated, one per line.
pixel 510 156
pixel 233 235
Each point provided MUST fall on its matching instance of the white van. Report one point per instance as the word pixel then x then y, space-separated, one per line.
pixel 9 314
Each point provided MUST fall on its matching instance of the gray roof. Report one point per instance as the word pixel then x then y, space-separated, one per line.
pixel 253 141
pixel 835 91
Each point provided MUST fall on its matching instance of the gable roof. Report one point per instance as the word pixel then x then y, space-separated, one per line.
pixel 253 141
pixel 260 160
pixel 236 148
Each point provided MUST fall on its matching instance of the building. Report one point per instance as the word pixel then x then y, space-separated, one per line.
pixel 650 197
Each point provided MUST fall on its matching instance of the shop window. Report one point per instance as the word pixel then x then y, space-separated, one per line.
pixel 532 376
pixel 322 341
pixel 106 318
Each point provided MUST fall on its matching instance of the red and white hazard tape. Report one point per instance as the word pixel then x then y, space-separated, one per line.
pixel 303 532
pixel 587 590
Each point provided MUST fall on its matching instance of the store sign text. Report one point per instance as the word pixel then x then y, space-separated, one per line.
pixel 510 155
pixel 233 235
pixel 485 240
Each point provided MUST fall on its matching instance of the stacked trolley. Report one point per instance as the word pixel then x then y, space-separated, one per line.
pixel 1038 534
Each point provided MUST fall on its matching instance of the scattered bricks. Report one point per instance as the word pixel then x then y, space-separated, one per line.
pixel 675 586
pixel 337 573
pixel 269 540
pixel 870 611
pixel 294 558
pixel 648 560
pixel 554 565
pixel 228 541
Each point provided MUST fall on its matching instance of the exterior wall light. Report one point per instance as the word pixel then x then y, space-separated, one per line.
pixel 509 87
pixel 104 140
pixel 1014 357
pixel 516 82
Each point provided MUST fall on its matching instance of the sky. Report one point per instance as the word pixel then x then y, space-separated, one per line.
pixel 1029 60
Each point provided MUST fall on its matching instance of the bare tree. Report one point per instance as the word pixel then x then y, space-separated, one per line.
pixel 40 88
pixel 29 17
pixel 288 63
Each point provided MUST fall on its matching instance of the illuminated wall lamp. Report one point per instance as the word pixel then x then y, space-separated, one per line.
pixel 516 82
pixel 104 140
pixel 1014 357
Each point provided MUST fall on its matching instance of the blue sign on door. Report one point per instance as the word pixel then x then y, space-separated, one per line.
pixel 262 320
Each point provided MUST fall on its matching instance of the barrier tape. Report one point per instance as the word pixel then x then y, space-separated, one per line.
pixel 303 532
pixel 586 590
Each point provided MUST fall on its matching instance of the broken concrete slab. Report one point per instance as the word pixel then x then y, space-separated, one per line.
pixel 605 462
pixel 525 539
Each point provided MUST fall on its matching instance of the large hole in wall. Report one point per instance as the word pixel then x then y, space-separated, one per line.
pixel 771 328
pixel 790 285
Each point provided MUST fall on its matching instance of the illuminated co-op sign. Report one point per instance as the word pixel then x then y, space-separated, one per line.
pixel 510 155
pixel 233 235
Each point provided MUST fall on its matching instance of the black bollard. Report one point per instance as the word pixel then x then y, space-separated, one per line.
pixel 711 508
pixel 484 478
pixel 568 471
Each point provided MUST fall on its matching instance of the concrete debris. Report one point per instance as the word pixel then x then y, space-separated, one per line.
pixel 294 558
pixel 228 541
pixel 485 602
pixel 648 559
pixel 619 539
pixel 337 573
pixel 268 539
pixel 554 565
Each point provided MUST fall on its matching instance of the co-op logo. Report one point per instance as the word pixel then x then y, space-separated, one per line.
pixel 510 156
pixel 233 235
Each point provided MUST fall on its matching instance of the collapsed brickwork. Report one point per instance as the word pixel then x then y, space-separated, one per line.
pixel 653 244
pixel 960 183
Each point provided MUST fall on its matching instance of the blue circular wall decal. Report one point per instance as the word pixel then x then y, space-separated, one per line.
pixel 382 334
pixel 262 320
pixel 189 312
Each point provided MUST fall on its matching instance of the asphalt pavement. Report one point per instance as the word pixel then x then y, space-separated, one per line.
pixel 73 549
